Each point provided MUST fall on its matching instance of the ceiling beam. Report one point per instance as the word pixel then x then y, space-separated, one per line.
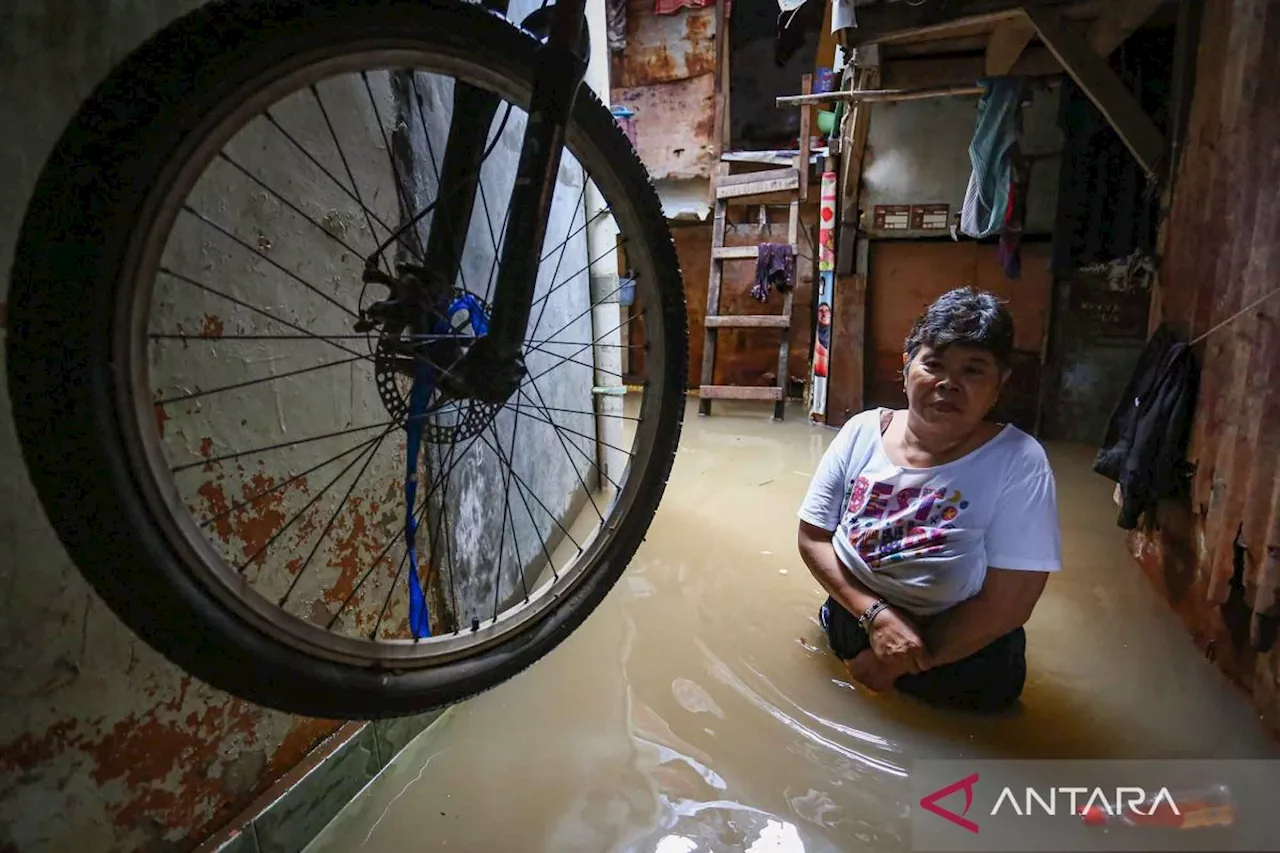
pixel 1008 40
pixel 888 23
pixel 1119 21
pixel 1100 83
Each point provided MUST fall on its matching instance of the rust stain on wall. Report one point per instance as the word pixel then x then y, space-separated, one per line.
pixel 1217 556
pixel 212 327
pixel 665 48
pixel 674 126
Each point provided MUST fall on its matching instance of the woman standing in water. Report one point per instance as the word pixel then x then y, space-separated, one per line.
pixel 932 529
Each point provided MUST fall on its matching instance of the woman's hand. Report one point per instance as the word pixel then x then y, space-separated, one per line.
pixel 873 673
pixel 895 640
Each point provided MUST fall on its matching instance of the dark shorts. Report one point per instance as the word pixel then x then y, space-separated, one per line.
pixel 990 679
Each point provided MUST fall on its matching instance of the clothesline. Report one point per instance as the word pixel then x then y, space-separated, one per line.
pixel 1245 310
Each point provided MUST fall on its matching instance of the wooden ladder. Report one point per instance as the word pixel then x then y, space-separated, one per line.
pixel 771 187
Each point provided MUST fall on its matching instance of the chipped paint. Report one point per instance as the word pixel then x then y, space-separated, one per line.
pixel 675 126
pixel 665 48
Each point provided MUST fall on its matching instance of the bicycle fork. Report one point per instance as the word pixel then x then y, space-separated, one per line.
pixel 493 367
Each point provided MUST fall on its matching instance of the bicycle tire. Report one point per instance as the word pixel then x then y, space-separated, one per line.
pixel 68 260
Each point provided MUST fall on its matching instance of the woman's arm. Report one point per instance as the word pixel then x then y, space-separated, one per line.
pixel 1005 602
pixel 894 640
pixel 820 556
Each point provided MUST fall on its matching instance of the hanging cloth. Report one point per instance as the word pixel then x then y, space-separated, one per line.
pixel 775 267
pixel 986 199
pixel 616 30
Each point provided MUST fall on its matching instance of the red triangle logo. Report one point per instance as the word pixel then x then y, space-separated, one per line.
pixel 930 803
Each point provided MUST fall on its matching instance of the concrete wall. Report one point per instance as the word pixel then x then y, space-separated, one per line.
pixel 103 745
pixel 918 153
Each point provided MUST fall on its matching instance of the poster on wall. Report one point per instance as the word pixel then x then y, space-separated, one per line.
pixel 826 288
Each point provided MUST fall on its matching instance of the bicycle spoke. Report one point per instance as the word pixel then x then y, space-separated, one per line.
pixel 373 234
pixel 564 429
pixel 386 602
pixel 250 382
pixel 564 247
pixel 335 238
pixel 532 379
pixel 285 484
pixel 571 278
pixel 397 536
pixel 402 189
pixel 574 465
pixel 213 290
pixel 520 490
pixel 506 510
pixel 592 414
pixel 299 279
pixel 309 439
pixel 602 300
pixel 308 506
pixel 353 196
pixel 329 526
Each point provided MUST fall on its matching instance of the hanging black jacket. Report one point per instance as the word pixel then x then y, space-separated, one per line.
pixel 1146 439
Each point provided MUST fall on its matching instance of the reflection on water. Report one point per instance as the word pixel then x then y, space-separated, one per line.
pixel 698 709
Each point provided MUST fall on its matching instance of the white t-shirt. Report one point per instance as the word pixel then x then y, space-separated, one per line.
pixel 923 537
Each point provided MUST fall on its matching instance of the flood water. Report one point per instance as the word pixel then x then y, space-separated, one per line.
pixel 698 708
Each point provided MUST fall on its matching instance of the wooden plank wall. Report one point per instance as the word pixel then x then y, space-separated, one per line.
pixel 906 276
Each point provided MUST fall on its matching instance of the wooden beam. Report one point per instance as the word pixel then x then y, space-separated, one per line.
pixel 1008 40
pixel 1120 20
pixel 891 23
pixel 747 321
pixel 923 72
pixel 740 392
pixel 882 95
pixel 802 158
pixel 1099 82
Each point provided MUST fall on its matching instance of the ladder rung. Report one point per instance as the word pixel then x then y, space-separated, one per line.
pixel 739 392
pixel 729 253
pixel 747 321
pixel 760 183
pixel 733 252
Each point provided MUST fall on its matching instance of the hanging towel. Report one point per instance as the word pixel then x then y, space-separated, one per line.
pixel 776 267
pixel 986 199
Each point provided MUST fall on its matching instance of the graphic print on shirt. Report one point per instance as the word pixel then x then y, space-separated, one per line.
pixel 887 524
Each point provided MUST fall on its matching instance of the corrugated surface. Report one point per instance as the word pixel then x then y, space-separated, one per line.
pixel 665 48
pixel 1220 256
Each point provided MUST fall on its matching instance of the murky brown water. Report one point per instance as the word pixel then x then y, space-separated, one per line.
pixel 698 710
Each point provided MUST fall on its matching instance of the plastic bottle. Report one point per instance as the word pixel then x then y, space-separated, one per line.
pixel 1197 808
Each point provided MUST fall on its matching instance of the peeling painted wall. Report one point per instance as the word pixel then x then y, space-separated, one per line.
pixel 667 75
pixel 105 746
pixel 663 48
pixel 1216 555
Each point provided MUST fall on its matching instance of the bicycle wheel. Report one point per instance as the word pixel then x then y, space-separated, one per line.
pixel 215 419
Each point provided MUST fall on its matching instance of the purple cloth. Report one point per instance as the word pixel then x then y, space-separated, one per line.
pixel 776 267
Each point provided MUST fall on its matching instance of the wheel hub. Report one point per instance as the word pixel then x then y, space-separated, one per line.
pixel 425 318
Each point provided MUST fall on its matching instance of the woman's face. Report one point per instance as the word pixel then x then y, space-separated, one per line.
pixel 953 389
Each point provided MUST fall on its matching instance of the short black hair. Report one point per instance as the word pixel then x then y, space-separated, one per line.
pixel 968 317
